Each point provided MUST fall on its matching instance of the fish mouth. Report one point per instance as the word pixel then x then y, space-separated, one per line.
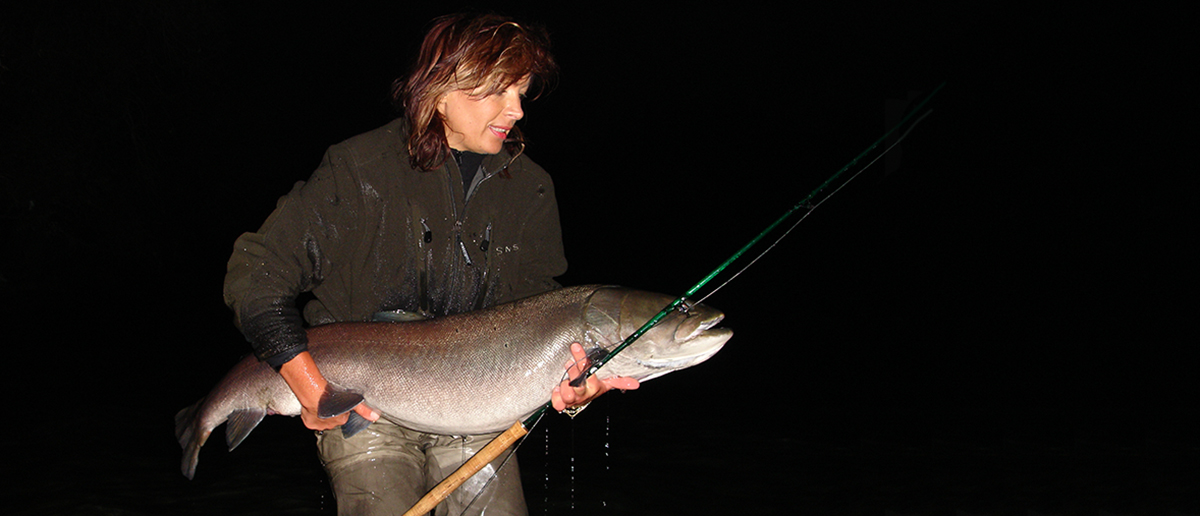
pixel 698 341
pixel 695 325
pixel 696 350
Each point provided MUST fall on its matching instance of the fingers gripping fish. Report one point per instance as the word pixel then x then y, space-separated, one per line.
pixel 470 373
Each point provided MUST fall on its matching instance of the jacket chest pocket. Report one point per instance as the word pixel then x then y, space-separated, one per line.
pixel 450 249
pixel 478 245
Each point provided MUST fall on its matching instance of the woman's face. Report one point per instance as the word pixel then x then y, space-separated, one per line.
pixel 480 122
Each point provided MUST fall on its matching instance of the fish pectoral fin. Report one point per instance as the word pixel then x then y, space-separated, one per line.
pixel 354 424
pixel 240 424
pixel 336 401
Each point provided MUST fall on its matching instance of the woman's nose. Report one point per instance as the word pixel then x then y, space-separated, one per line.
pixel 512 106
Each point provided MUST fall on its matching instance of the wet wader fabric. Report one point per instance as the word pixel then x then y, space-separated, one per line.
pixel 380 471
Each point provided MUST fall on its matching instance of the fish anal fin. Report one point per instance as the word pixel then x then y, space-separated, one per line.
pixel 354 424
pixel 336 401
pixel 240 424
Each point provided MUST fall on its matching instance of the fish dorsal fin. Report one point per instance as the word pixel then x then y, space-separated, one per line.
pixel 240 424
pixel 336 401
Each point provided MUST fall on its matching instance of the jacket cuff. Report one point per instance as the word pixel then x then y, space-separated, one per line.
pixel 276 361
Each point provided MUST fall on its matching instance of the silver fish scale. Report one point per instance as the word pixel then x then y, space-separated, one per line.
pixel 469 373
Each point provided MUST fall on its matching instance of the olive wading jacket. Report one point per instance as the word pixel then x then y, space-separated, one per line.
pixel 368 233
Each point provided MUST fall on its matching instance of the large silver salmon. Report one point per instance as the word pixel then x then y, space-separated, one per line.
pixel 463 374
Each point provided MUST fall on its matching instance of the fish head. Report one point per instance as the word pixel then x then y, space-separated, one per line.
pixel 681 339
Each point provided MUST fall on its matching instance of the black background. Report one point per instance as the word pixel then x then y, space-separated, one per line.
pixel 995 318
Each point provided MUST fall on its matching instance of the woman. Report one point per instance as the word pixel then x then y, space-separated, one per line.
pixel 437 212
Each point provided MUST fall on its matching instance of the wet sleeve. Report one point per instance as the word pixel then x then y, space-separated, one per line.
pixel 286 256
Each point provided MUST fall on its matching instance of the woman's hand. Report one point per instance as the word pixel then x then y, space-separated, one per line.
pixel 306 381
pixel 564 395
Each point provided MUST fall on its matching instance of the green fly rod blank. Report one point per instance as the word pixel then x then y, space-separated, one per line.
pixel 505 440
pixel 804 203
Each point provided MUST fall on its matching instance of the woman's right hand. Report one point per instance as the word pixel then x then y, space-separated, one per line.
pixel 306 381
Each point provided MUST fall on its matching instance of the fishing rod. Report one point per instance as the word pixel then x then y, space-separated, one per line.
pixel 520 428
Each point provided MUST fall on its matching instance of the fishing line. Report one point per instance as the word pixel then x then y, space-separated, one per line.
pixel 496 474
pixel 521 428
pixel 811 208
pixel 674 305
pixel 806 204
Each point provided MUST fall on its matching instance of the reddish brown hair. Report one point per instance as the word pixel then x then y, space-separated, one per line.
pixel 482 53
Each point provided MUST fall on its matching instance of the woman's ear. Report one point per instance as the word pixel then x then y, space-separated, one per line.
pixel 441 106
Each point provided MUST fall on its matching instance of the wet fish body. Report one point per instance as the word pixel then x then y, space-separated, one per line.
pixel 464 374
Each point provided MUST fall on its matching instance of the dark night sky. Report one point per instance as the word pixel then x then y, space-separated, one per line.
pixel 1016 270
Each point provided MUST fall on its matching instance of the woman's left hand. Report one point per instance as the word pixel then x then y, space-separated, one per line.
pixel 564 395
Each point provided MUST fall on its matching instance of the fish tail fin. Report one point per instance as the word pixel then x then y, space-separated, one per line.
pixel 191 437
